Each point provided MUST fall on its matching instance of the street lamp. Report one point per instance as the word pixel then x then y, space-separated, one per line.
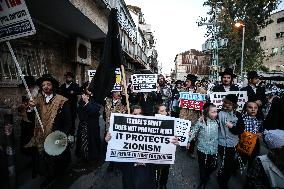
pixel 238 25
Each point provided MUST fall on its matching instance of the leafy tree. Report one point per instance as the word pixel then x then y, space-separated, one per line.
pixel 254 15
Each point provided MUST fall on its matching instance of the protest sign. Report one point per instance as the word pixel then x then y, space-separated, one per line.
pixel 144 82
pixel 182 128
pixel 191 100
pixel 143 139
pixel 15 20
pixel 117 86
pixel 217 98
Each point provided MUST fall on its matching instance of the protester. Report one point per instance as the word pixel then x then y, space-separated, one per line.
pixel 253 124
pixel 27 116
pixel 164 92
pixel 163 170
pixel 147 101
pixel 190 114
pixel 231 125
pixel 206 132
pixel 70 89
pixel 255 93
pixel 137 175
pixel 55 115
pixel 175 99
pixel 267 171
pixel 274 118
pixel 88 142
pixel 227 77
pixel 113 105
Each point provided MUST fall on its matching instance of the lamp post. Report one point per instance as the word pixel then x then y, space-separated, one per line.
pixel 238 25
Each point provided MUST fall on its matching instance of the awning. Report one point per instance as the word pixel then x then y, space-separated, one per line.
pixel 63 16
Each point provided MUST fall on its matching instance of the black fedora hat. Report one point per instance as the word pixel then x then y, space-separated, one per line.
pixel 69 74
pixel 252 74
pixel 47 77
pixel 30 80
pixel 191 77
pixel 228 71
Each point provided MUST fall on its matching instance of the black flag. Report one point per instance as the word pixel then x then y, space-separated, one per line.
pixel 104 79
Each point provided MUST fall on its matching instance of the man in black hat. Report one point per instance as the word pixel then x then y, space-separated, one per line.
pixel 54 111
pixel 70 89
pixel 255 92
pixel 227 82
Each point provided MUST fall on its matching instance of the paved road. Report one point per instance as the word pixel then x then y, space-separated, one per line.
pixel 184 174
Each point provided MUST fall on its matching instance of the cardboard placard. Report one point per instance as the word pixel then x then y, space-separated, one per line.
pixel 142 139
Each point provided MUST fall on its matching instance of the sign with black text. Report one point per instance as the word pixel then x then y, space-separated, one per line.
pixel 15 20
pixel 217 98
pixel 118 76
pixel 144 82
pixel 182 128
pixel 141 139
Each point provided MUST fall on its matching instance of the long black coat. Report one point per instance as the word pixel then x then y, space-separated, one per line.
pixel 252 96
pixel 274 118
pixel 66 92
pixel 89 115
pixel 220 88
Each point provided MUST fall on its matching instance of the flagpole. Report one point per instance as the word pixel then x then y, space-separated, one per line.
pixel 125 88
pixel 24 82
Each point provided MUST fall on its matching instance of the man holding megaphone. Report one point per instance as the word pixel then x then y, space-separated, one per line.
pixel 51 138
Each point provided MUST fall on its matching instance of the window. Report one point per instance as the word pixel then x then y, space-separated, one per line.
pixel 262 38
pixel 29 60
pixel 275 51
pixel 279 20
pixel 280 34
pixel 282 50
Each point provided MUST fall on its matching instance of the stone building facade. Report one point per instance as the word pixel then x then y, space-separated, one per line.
pixel 271 39
pixel 191 62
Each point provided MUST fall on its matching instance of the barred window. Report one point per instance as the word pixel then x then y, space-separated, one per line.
pixel 29 59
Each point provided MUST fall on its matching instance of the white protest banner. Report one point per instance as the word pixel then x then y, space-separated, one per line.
pixel 15 20
pixel 143 139
pixel 217 98
pixel 182 128
pixel 144 82
pixel 117 86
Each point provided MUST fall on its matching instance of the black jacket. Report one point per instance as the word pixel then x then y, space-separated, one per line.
pixel 220 88
pixel 66 92
pixel 252 96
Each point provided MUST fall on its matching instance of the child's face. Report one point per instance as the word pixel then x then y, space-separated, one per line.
pixel 228 106
pixel 137 112
pixel 252 109
pixel 213 113
pixel 162 110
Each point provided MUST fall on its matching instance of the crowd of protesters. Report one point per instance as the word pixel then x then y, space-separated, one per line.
pixel 215 134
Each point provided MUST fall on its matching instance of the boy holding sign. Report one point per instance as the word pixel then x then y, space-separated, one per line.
pixel 138 175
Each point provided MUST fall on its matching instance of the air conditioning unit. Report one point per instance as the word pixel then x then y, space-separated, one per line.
pixel 83 51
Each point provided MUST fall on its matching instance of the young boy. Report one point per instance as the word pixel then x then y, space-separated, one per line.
pixel 252 124
pixel 231 126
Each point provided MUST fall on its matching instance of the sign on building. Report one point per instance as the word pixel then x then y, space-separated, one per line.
pixel 217 98
pixel 117 86
pixel 190 100
pixel 142 139
pixel 15 20
pixel 144 82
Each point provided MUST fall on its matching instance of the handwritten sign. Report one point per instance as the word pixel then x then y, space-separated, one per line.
pixel 144 82
pixel 217 98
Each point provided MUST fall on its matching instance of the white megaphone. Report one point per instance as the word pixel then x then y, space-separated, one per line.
pixel 55 143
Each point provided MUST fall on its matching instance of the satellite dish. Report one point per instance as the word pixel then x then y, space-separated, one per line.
pixel 55 143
